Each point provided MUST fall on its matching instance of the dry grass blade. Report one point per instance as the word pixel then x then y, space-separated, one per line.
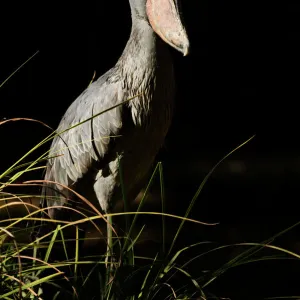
pixel 171 288
pixel 162 214
pixel 7 232
pixel 13 197
pixel 37 182
pixel 67 224
pixel 33 182
pixel 24 119
pixel 271 247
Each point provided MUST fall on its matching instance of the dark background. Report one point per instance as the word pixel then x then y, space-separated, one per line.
pixel 241 78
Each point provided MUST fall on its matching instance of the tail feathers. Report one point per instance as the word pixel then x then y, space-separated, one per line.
pixel 53 194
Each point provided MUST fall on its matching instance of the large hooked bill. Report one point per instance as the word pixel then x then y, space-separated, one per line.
pixel 164 18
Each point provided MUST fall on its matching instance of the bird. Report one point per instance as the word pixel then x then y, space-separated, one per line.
pixel 141 88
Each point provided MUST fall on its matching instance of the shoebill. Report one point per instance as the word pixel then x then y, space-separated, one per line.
pixel 87 157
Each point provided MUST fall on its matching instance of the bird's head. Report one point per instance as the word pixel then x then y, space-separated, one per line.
pixel 164 18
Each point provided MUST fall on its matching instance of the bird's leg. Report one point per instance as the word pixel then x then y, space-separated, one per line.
pixel 108 258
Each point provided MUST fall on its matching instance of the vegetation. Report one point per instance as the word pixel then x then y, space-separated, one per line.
pixel 32 269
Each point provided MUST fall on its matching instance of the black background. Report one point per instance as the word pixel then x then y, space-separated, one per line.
pixel 241 78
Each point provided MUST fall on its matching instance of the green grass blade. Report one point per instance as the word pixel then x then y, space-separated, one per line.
pixel 146 278
pixel 54 134
pixel 250 252
pixel 136 239
pixel 64 244
pixel 50 246
pixel 31 284
pixel 163 207
pixel 201 187
pixel 21 66
pixel 173 259
pixel 139 208
pixel 76 254
pixel 56 295
pixel 195 283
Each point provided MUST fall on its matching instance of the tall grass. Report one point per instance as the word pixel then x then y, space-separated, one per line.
pixel 31 268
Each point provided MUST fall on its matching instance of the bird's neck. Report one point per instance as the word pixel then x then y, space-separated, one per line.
pixel 141 53
pixel 144 66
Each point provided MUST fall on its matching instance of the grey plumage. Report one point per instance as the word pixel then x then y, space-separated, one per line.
pixel 88 153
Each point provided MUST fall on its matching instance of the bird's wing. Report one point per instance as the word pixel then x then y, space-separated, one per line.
pixel 74 150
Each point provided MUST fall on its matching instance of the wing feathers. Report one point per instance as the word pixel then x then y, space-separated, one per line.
pixel 75 147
